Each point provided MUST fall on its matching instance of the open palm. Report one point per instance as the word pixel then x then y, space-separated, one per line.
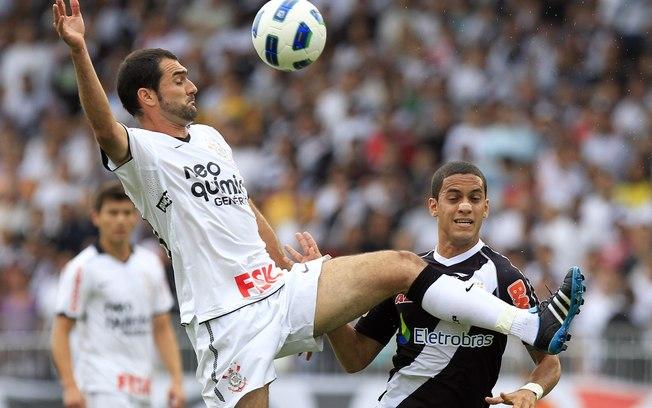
pixel 69 27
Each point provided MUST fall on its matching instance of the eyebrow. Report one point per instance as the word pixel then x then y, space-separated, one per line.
pixel 457 190
pixel 180 72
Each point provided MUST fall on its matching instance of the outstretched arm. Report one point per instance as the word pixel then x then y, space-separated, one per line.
pixel 271 241
pixel 546 374
pixel 110 135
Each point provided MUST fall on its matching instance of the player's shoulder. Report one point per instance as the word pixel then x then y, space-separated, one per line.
pixel 506 271
pixel 145 254
pixel 427 256
pixel 206 130
pixel 502 263
pixel 150 138
pixel 82 259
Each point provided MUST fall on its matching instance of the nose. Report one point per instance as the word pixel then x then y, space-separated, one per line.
pixel 193 89
pixel 465 207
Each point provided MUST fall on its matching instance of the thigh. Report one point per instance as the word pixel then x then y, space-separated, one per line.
pixel 258 398
pixel 351 285
pixel 235 353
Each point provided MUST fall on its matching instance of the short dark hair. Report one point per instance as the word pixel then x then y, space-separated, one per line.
pixel 454 167
pixel 109 191
pixel 140 69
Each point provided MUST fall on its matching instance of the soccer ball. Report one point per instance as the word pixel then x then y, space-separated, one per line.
pixel 288 34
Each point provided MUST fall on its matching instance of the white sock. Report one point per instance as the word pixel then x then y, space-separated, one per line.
pixel 448 299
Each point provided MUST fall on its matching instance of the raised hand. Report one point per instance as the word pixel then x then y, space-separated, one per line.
pixel 69 27
pixel 308 247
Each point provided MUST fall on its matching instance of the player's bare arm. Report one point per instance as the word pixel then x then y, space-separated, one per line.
pixel 110 135
pixel 166 343
pixel 271 241
pixel 354 350
pixel 546 374
pixel 60 344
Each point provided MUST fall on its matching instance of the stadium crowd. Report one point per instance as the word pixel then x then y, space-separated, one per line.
pixel 552 99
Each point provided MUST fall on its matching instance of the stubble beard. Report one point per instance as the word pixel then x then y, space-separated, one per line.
pixel 186 112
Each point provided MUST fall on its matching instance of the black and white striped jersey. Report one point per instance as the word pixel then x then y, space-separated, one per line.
pixel 440 364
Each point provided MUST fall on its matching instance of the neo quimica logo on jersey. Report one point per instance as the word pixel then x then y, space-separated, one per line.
pixel 211 185
pixel 437 338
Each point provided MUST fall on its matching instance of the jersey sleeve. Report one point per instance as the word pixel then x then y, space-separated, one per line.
pixel 163 300
pixel 380 323
pixel 73 292
pixel 138 171
pixel 516 289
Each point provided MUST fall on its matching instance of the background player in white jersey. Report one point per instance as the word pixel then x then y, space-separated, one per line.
pixel 117 300
pixel 440 364
pixel 240 306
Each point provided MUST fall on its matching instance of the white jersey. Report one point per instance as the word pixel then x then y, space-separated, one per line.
pixel 113 303
pixel 194 197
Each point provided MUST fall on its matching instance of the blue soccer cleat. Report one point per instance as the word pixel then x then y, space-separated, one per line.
pixel 557 312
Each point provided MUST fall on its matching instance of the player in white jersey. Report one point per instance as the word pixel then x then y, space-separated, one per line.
pixel 242 300
pixel 117 300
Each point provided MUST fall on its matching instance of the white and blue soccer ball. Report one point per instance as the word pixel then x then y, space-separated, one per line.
pixel 288 34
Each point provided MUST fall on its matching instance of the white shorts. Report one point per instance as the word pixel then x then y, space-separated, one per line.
pixel 236 352
pixel 113 400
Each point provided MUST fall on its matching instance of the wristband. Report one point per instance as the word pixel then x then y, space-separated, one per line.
pixel 535 388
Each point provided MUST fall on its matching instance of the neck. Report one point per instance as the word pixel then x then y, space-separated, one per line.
pixel 121 250
pixel 163 125
pixel 449 249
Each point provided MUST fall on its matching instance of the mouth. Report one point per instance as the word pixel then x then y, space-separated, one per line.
pixel 463 221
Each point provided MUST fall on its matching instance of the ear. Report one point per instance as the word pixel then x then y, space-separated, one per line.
pixel 147 97
pixel 95 218
pixel 485 213
pixel 433 207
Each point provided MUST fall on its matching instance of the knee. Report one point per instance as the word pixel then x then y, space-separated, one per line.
pixel 410 258
pixel 408 267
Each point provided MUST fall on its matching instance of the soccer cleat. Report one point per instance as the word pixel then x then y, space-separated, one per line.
pixel 557 312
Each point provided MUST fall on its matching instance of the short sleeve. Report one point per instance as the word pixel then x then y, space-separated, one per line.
pixel 73 292
pixel 517 290
pixel 380 323
pixel 138 174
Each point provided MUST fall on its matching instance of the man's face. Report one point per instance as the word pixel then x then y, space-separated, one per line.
pixel 116 220
pixel 460 208
pixel 176 93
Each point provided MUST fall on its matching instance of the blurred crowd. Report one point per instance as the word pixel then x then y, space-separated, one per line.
pixel 551 99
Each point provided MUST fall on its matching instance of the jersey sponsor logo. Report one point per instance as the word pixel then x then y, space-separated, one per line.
pixel 257 281
pixel 210 184
pixel 236 381
pixel 518 293
pixel 401 299
pixel 133 384
pixel 123 316
pixel 164 202
pixel 436 338
pixel 405 334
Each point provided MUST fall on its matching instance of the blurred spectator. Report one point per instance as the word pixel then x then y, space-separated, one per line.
pixel 553 100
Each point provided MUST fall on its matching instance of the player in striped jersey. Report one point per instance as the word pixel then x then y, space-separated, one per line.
pixel 115 299
pixel 440 364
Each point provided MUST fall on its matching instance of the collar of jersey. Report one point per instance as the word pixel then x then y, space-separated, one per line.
pixel 101 251
pixel 458 258
pixel 185 139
